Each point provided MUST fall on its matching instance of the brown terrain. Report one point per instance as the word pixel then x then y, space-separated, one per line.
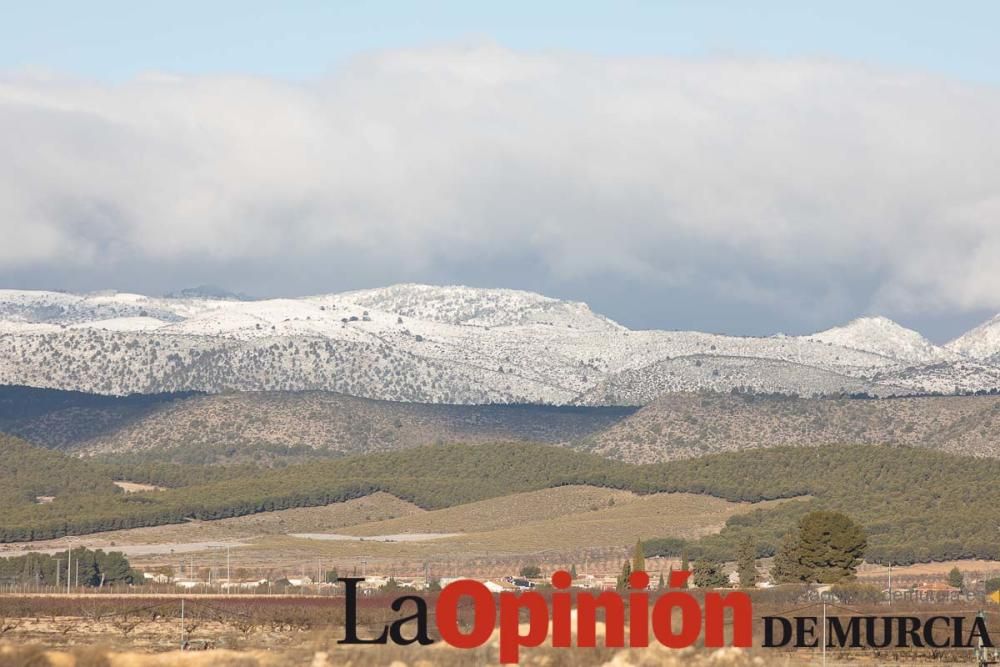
pixel 587 526
pixel 258 426
pixel 691 425
pixel 320 420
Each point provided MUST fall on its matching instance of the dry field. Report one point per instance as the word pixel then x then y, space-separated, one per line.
pixel 306 633
pixel 590 527
pixel 390 656
pixel 587 526
pixel 135 487
pixel 974 570
pixel 504 512
pixel 375 507
pixel 248 631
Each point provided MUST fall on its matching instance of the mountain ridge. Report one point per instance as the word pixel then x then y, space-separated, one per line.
pixel 882 335
pixel 981 342
pixel 445 344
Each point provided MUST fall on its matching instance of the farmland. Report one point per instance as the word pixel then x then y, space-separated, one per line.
pixel 558 527
pixel 277 631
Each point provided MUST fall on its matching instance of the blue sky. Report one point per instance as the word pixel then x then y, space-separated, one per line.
pixel 740 167
pixel 115 40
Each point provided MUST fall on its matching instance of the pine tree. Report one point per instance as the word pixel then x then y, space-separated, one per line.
pixel 623 577
pixel 826 549
pixel 708 574
pixel 638 558
pixel 830 546
pixel 786 567
pixel 660 585
pixel 572 571
pixel 746 563
pixel 955 578
pixel 684 562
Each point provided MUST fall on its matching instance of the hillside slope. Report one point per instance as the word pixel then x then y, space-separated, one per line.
pixel 884 488
pixel 981 343
pixel 257 425
pixel 282 427
pixel 677 426
pixel 64 419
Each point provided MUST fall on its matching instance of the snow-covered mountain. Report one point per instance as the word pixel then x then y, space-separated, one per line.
pixel 982 343
pixel 883 336
pixel 441 344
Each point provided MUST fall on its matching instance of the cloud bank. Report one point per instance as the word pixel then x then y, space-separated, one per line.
pixel 783 184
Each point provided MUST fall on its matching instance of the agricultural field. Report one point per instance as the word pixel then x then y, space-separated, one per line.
pixel 590 526
pixel 434 656
pixel 375 507
pixel 279 631
pixel 595 535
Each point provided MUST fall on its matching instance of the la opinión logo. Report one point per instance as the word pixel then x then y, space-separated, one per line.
pixel 704 621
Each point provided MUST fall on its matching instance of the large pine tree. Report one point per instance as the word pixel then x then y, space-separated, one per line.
pixel 826 549
pixel 746 563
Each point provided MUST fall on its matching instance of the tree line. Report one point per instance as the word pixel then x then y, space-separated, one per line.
pixel 83 567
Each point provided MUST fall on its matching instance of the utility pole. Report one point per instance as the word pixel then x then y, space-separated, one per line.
pixel 58 566
pixel 182 624
pixel 69 566
pixel 890 583
pixel 229 576
pixel 824 633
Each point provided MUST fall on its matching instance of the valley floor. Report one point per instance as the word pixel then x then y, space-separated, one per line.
pixel 571 525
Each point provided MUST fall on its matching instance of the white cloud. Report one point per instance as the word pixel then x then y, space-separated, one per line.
pixel 672 172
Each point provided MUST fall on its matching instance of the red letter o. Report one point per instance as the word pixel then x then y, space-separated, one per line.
pixel 484 614
pixel 690 620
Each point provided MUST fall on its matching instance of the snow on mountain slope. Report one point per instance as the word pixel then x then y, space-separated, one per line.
pixel 983 342
pixel 64 308
pixel 722 374
pixel 479 307
pixel 139 323
pixel 881 335
pixel 440 344
pixel 19 327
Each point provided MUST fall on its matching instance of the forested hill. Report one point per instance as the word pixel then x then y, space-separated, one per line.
pixel 62 419
pixel 275 427
pixel 30 476
pixel 916 504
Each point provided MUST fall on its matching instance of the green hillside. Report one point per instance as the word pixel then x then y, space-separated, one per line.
pixel 916 504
